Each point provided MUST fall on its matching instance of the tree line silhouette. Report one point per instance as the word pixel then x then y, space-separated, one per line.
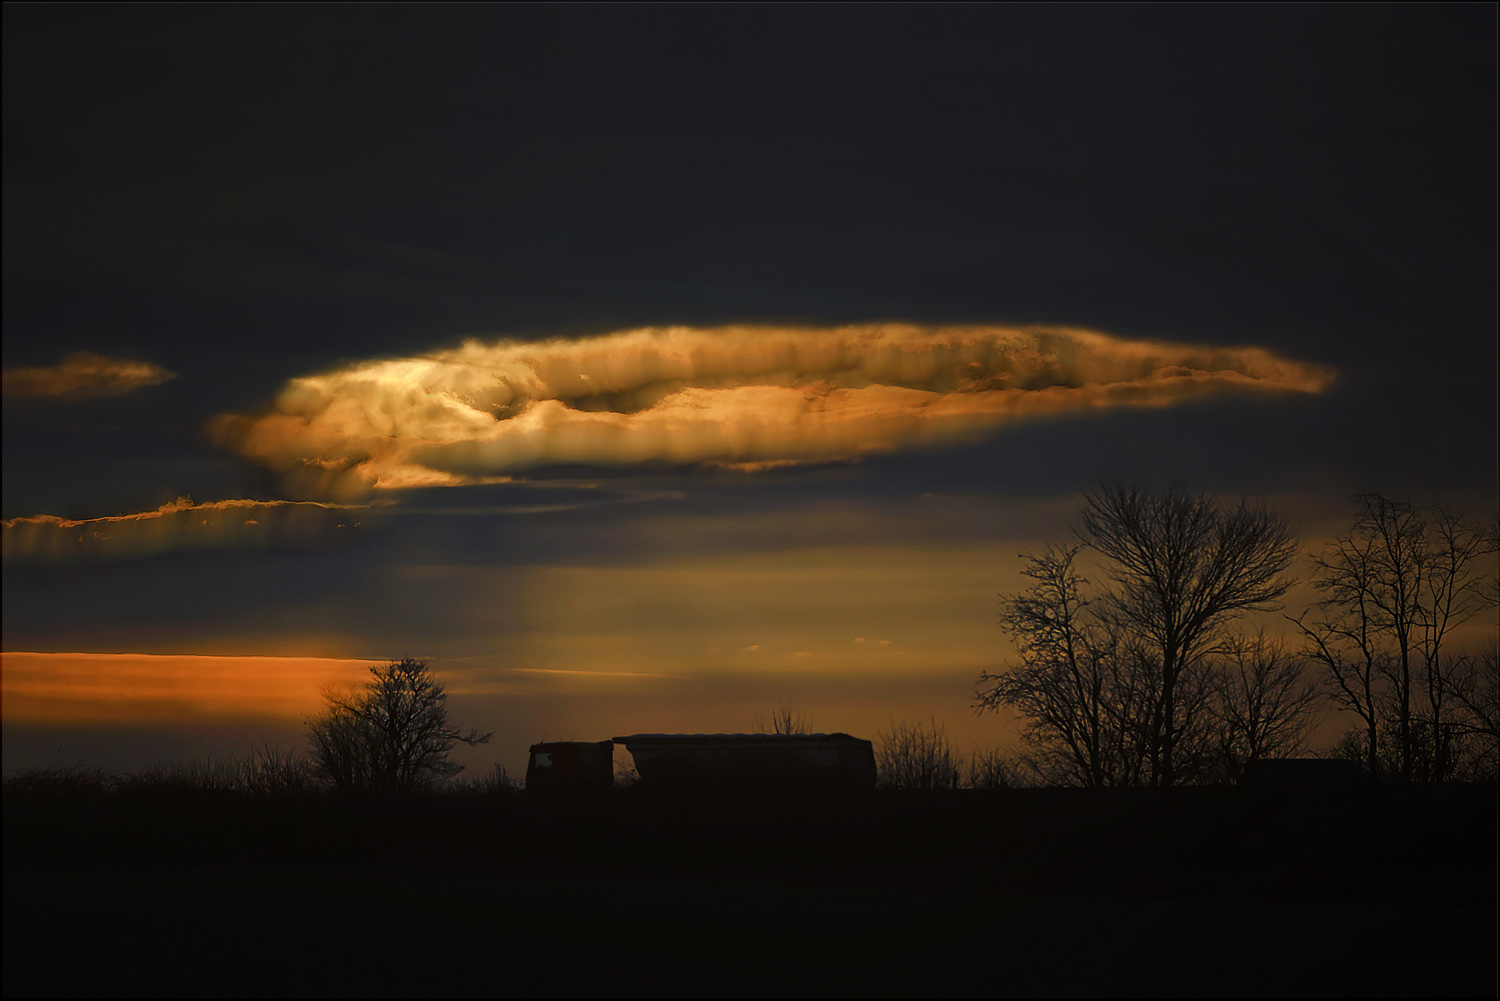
pixel 1150 675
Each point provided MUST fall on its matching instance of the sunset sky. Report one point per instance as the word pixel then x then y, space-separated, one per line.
pixel 647 367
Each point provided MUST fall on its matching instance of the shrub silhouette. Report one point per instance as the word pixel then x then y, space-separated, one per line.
pixel 496 783
pixel 993 769
pixel 784 721
pixel 912 756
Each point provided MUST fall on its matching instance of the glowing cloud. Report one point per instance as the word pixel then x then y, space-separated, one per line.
pixel 73 688
pixel 180 524
pixel 749 397
pixel 84 374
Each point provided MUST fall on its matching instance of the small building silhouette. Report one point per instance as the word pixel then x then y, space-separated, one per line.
pixel 760 759
pixel 571 766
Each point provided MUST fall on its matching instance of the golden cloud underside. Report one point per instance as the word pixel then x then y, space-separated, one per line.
pixel 736 395
pixel 180 524
pixel 84 374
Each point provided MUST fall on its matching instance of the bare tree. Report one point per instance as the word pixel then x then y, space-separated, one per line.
pixel 391 736
pixel 1265 704
pixel 1079 688
pixel 1477 690
pixel 1343 633
pixel 1182 568
pixel 342 742
pixel 1389 537
pixel 1395 587
pixel 1455 588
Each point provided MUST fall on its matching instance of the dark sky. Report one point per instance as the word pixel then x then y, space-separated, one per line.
pixel 244 195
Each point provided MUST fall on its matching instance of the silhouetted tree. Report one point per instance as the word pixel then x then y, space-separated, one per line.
pixel 1265 705
pixel 1082 690
pixel 1394 589
pixel 1477 690
pixel 1181 569
pixel 342 743
pixel 392 735
pixel 1457 586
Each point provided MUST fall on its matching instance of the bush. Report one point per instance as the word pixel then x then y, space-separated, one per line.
pixel 199 775
pixel 993 769
pixel 784 721
pixel 497 783
pixel 911 756
pixel 264 771
pixel 71 781
pixel 268 771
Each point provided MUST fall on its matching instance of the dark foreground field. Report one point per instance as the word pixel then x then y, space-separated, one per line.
pixel 1006 893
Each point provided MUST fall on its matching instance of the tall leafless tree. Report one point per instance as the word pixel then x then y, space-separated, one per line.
pixel 1476 689
pixel 1455 588
pixel 1395 587
pixel 1181 569
pixel 1085 700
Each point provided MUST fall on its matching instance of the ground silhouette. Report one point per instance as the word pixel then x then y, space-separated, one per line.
pixel 1203 890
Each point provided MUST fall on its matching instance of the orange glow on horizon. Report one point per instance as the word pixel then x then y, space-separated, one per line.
pixel 95 688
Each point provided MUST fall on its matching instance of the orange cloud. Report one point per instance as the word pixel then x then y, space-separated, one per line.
pixel 83 688
pixel 180 524
pixel 746 397
pixel 84 374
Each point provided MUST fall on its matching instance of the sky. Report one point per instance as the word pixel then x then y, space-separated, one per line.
pixel 646 368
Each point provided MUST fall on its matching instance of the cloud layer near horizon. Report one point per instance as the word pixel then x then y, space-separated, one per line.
pixel 740 396
pixel 179 524
pixel 84 374
pixel 132 688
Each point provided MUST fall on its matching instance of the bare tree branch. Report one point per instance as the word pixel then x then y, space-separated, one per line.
pixel 1182 569
pixel 1266 706
pixel 1395 588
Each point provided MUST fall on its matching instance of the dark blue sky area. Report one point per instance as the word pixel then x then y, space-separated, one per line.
pixel 245 195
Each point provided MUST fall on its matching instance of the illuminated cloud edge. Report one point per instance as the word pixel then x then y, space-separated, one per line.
pixel 179 524
pixel 746 397
pixel 81 375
